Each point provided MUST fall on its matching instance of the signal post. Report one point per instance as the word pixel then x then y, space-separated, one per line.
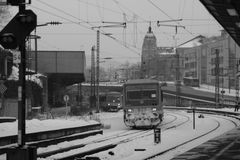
pixel 12 36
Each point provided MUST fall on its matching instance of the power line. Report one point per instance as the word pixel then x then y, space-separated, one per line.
pixel 111 10
pixel 51 13
pixel 62 11
pixel 152 21
pixel 101 31
pixel 167 14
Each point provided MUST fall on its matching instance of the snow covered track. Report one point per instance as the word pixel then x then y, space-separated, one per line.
pixel 105 144
pixel 179 145
pixel 183 138
pixel 109 142
pixel 122 143
pixel 202 152
pixel 223 147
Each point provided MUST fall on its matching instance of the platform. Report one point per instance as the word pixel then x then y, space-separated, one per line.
pixel 224 147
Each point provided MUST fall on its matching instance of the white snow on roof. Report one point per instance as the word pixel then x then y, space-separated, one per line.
pixel 34 78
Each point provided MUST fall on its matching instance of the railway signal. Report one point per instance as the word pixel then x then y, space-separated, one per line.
pixel 13 36
pixel 22 24
pixel 157 134
pixel 17 2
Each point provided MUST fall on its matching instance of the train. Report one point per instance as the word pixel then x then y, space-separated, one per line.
pixel 142 103
pixel 111 101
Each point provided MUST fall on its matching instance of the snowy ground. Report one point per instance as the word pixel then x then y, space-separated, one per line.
pixel 127 151
pixel 230 92
pixel 169 138
pixel 35 125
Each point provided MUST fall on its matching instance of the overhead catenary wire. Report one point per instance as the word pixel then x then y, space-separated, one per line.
pixel 101 31
pixel 88 24
pixel 167 15
pixel 99 10
pixel 87 27
pixel 94 5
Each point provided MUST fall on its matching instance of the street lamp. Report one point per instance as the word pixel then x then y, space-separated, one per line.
pixel 38 37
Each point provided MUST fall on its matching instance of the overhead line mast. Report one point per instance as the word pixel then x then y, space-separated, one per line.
pixel 178 81
pixel 115 24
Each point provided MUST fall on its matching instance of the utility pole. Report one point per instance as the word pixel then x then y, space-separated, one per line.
pixel 38 37
pixel 12 36
pixel 115 24
pixel 97 68
pixel 217 95
pixel 93 95
pixel 237 82
pixel 178 81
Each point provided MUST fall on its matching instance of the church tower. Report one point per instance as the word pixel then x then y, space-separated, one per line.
pixel 149 54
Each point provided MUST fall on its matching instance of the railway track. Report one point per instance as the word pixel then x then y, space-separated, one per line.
pixel 158 155
pixel 126 141
pixel 122 134
pixel 102 144
pixel 114 140
pixel 182 144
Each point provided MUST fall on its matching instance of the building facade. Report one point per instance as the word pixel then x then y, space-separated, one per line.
pixel 196 58
pixel 149 53
pixel 215 57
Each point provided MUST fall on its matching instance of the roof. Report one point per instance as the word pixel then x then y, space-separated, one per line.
pixel 226 12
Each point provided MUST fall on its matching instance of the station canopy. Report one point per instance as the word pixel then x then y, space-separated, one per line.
pixel 227 13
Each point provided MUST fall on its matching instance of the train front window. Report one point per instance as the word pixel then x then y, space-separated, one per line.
pixel 113 99
pixel 143 97
pixel 144 94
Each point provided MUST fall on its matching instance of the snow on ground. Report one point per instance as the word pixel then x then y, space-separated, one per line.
pixel 230 92
pixel 168 139
pixel 126 151
pixel 35 125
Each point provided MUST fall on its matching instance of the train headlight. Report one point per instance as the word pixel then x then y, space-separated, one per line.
pixel 154 109
pixel 129 110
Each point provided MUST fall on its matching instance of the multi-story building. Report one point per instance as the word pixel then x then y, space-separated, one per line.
pixel 200 61
pixel 197 58
pixel 189 58
pixel 166 64
pixel 228 53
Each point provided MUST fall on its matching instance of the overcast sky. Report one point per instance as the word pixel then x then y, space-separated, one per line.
pixel 78 16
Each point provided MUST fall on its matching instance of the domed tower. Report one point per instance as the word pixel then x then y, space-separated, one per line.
pixel 149 52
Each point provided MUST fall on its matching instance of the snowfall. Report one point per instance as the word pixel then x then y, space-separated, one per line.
pixel 113 123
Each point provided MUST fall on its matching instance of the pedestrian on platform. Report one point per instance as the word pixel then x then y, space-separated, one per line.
pixel 235 107
pixel 238 106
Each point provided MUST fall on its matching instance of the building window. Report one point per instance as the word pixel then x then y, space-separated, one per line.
pixel 212 81
pixel 213 60
pixel 213 72
pixel 221 60
pixel 214 50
